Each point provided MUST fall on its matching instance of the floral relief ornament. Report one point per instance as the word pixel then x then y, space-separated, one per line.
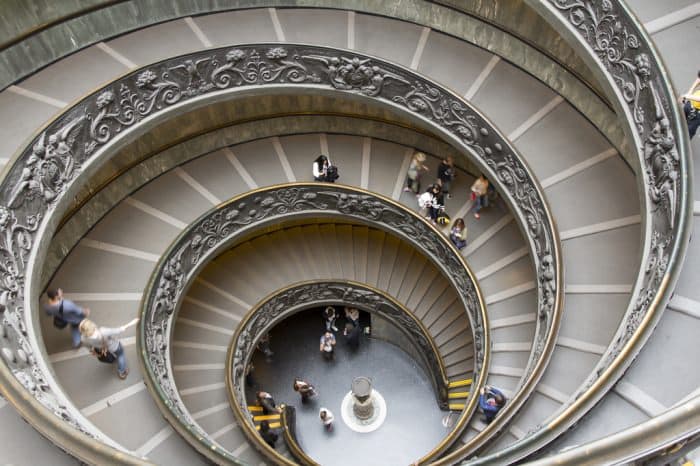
pixel 242 67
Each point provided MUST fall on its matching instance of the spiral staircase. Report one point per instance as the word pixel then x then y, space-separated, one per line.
pixel 529 77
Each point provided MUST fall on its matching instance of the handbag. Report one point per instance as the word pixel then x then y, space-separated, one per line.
pixel 104 355
pixel 58 320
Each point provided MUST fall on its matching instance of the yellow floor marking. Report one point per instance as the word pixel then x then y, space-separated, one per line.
pixel 273 425
pixel 267 417
pixel 459 383
pixel 255 408
pixel 456 406
pixel 458 395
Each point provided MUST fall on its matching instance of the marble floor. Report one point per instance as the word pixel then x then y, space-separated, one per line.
pixel 413 424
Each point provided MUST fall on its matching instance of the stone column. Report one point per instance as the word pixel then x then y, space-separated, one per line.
pixel 362 407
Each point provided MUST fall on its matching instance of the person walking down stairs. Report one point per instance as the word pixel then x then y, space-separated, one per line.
pixel 480 189
pixel 65 312
pixel 458 234
pixel 415 171
pixel 104 343
pixel 268 435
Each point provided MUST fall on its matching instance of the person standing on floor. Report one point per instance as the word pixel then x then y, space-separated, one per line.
pixel 267 435
pixel 65 312
pixel 415 170
pixel 458 234
pixel 304 388
pixel 352 315
pixel 446 173
pixel 352 335
pixel 327 346
pixel 105 344
pixel 327 418
pixel 480 189
pixel 329 317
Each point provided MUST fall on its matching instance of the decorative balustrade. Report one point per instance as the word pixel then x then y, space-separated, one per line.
pixel 218 229
pixel 40 182
pixel 298 297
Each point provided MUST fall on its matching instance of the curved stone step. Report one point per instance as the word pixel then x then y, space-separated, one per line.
pixel 257 25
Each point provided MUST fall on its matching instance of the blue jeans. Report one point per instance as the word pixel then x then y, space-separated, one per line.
pixel 481 202
pixel 121 359
pixel 75 334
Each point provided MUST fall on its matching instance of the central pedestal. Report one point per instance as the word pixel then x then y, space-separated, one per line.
pixel 361 390
pixel 363 408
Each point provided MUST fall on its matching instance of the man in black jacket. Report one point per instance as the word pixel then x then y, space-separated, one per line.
pixel 267 435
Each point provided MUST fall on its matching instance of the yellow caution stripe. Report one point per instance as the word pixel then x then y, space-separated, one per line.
pixel 459 383
pixel 255 409
pixel 457 395
pixel 456 406
pixel 273 425
pixel 267 417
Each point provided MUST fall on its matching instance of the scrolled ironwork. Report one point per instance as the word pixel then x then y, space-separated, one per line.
pixel 624 56
pixel 305 295
pixel 217 229
pixel 298 297
pixel 39 183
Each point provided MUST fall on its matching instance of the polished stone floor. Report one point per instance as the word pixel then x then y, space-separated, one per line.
pixel 413 425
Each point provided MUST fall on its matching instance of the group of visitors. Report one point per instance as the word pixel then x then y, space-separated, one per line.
pixel 103 342
pixel 351 331
pixel 268 405
pixel 432 201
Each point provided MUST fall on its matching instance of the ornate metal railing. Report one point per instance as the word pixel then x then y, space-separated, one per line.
pixel 289 431
pixel 615 44
pixel 320 293
pixel 652 442
pixel 300 296
pixel 218 229
pixel 40 182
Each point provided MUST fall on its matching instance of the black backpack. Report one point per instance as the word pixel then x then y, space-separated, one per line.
pixel 332 173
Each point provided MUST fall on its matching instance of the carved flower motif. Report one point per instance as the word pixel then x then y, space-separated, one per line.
pixel 606 5
pixel 145 78
pixel 578 16
pixel 309 196
pixel 268 201
pixel 32 221
pixel 276 53
pixel 4 217
pixel 418 104
pixel 231 214
pixel 507 178
pixel 643 64
pixel 235 55
pixel 464 132
pixel 104 99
